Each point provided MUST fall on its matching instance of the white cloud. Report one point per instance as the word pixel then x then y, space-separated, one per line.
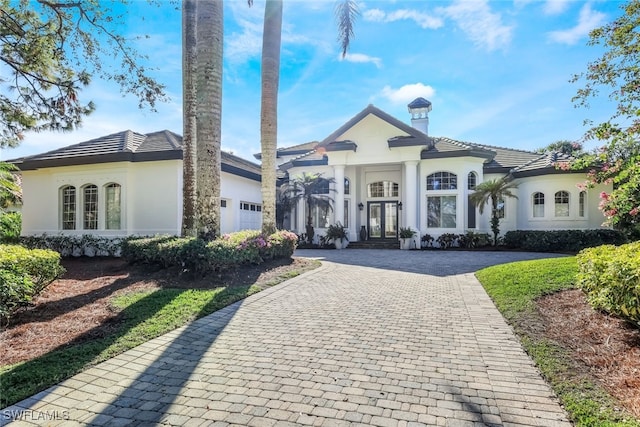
pixel 482 26
pixel 361 58
pixel 587 21
pixel 555 7
pixel 407 93
pixel 422 19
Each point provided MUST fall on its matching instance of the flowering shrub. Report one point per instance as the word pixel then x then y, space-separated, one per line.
pixel 610 276
pixel 87 244
pixel 200 257
pixel 24 273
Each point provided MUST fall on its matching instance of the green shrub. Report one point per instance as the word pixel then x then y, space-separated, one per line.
pixel 200 257
pixel 610 276
pixel 10 227
pixel 561 240
pixel 24 273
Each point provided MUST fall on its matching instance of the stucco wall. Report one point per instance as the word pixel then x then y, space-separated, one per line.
pixel 151 197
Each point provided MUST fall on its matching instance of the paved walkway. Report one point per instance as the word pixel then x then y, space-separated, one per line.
pixel 383 338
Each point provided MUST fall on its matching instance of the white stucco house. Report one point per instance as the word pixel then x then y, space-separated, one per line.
pixel 389 174
pixel 126 184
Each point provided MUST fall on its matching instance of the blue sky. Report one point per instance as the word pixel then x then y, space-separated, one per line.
pixel 496 72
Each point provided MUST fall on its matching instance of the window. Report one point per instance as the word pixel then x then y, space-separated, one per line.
pixel 345 223
pixel 562 203
pixel 322 187
pixel 68 196
pixel 538 205
pixel 90 207
pixel 472 179
pixel 347 186
pixel 582 198
pixel 382 189
pixel 112 207
pixel 441 211
pixel 320 216
pixel 501 207
pixel 223 203
pixel 442 181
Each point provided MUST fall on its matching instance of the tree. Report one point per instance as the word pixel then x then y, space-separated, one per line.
pixel 493 192
pixel 189 111
pixel 10 191
pixel 617 161
pixel 50 51
pixel 346 12
pixel 271 42
pixel 209 44
pixel 570 148
pixel 314 191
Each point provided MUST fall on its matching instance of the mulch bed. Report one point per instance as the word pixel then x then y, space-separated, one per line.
pixel 607 347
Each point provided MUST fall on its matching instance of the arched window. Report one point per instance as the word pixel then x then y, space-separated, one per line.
pixel 442 181
pixel 562 203
pixel 347 186
pixel 382 189
pixel 582 199
pixel 472 179
pixel 68 207
pixel 90 207
pixel 538 205
pixel 112 206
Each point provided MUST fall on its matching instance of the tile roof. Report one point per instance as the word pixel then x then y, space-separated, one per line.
pixel 544 163
pixel 133 147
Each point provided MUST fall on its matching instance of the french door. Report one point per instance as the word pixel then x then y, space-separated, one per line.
pixel 382 218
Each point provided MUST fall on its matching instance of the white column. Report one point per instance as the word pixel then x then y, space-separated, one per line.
pixel 338 208
pixel 410 204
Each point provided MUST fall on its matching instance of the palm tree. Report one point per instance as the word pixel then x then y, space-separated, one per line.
pixel 209 44
pixel 189 143
pixel 271 41
pixel 313 189
pixel 346 12
pixel 493 191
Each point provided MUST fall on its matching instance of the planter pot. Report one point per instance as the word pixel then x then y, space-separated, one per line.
pixel 405 244
pixel 341 243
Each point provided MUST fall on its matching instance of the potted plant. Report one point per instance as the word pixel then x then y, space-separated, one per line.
pixel 406 237
pixel 338 234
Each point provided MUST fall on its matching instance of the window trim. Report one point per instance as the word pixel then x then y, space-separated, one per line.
pixel 94 200
pixel 582 204
pixel 73 205
pixel 562 195
pixel 535 201
pixel 449 177
pixel 106 206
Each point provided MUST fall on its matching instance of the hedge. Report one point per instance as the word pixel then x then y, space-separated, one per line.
pixel 10 227
pixel 24 273
pixel 610 276
pixel 200 257
pixel 561 240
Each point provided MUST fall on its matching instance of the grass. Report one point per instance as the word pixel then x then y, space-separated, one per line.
pixel 514 288
pixel 143 315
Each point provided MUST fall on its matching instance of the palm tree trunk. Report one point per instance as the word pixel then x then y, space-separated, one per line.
pixel 209 113
pixel 271 41
pixel 189 198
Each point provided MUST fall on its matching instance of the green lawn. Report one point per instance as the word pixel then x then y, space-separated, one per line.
pixel 142 316
pixel 514 288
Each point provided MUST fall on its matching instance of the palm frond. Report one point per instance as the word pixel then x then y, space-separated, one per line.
pixel 346 14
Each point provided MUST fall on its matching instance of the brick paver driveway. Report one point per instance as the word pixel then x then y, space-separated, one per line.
pixel 384 338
